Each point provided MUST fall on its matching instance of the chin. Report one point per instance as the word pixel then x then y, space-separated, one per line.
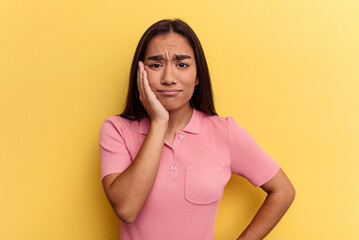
pixel 170 108
pixel 174 104
pixel 174 108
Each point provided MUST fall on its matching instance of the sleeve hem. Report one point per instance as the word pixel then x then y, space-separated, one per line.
pixel 269 177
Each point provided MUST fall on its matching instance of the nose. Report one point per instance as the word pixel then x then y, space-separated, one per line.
pixel 168 76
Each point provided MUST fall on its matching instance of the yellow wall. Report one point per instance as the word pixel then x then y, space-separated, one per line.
pixel 287 71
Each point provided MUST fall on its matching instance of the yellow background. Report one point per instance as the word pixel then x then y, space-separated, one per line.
pixel 287 71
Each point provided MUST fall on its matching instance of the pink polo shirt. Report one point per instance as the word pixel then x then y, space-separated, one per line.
pixel 191 176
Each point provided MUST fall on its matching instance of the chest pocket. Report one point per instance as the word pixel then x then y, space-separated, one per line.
pixel 205 186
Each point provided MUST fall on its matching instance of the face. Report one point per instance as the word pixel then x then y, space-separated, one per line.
pixel 171 70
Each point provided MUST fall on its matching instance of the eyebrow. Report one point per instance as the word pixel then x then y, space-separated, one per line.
pixel 161 57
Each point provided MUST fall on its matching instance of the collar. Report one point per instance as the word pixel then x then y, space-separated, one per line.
pixel 191 127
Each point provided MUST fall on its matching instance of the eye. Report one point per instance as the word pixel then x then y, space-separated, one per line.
pixel 155 65
pixel 183 65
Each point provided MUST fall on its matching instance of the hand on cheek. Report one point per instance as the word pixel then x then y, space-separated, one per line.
pixel 148 98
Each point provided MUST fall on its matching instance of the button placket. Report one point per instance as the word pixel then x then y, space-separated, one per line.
pixel 172 160
pixel 173 163
pixel 173 172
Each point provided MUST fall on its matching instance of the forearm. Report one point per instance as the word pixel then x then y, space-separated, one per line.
pixel 129 191
pixel 272 210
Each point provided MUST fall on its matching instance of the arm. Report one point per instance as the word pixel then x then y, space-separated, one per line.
pixel 128 191
pixel 280 196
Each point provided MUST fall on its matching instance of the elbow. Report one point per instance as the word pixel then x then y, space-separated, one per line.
pixel 290 194
pixel 125 214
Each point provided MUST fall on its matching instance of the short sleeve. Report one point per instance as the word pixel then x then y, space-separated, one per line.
pixel 114 155
pixel 248 159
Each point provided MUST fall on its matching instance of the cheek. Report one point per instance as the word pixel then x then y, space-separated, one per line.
pixel 192 75
pixel 152 78
pixel 190 80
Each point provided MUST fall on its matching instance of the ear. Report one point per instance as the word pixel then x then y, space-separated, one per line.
pixel 196 82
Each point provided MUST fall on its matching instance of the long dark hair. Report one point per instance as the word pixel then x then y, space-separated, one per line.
pixel 202 98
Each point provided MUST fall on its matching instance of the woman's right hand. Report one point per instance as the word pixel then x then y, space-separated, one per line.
pixel 148 98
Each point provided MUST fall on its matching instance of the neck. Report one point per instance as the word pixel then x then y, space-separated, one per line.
pixel 179 118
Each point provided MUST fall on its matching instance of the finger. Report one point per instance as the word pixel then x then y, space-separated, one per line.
pixel 146 85
pixel 139 80
pixel 143 80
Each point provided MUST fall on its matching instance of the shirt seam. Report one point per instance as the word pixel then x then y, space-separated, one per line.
pixel 230 144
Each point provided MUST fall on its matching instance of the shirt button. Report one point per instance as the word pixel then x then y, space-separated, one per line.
pixel 180 136
pixel 172 150
pixel 173 167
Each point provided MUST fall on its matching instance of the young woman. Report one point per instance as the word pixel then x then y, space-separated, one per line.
pixel 166 159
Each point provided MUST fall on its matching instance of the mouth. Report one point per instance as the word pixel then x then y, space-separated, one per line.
pixel 169 92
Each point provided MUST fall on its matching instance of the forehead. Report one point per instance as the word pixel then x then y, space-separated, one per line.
pixel 169 44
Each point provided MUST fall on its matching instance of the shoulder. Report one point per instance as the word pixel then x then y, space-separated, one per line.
pixel 222 125
pixel 119 124
pixel 218 121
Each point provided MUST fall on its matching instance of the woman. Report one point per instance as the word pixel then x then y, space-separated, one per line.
pixel 166 159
